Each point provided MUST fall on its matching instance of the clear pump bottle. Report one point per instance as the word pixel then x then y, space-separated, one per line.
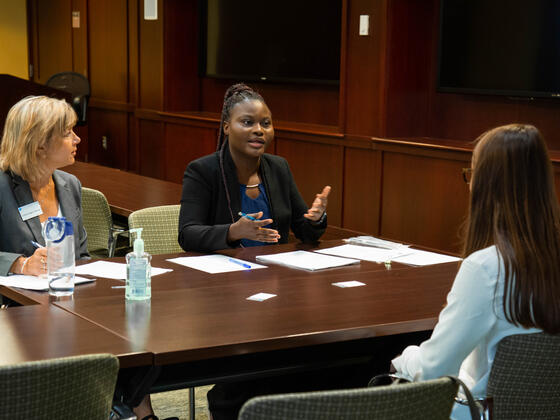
pixel 138 270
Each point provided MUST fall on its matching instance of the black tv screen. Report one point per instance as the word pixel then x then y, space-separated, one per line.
pixel 272 40
pixel 508 47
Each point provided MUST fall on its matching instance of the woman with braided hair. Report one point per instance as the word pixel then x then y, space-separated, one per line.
pixel 241 179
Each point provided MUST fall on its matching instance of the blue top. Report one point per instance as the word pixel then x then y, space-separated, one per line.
pixel 249 205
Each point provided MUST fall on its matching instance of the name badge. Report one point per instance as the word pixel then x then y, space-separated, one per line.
pixel 30 210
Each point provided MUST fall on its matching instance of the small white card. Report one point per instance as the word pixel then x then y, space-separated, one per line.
pixel 259 297
pixel 30 210
pixel 352 283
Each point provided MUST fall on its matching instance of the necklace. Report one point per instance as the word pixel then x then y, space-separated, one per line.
pixel 252 186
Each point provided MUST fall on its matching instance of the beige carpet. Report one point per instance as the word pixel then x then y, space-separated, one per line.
pixel 176 404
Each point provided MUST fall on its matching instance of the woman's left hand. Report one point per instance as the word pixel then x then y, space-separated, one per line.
pixel 319 205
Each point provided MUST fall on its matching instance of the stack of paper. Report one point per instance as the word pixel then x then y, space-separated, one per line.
pixel 402 255
pixel 306 260
pixel 374 242
pixel 367 253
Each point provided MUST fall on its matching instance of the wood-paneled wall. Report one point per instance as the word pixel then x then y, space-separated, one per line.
pixel 388 143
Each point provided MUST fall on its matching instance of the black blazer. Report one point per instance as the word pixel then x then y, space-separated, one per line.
pixel 16 235
pixel 205 217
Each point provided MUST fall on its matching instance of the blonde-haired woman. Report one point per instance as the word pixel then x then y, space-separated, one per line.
pixel 38 139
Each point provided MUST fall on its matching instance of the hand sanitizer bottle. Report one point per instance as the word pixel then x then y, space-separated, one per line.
pixel 138 271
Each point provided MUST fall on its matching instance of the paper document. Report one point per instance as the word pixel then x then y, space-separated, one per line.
pixel 112 270
pixel 306 260
pixel 216 263
pixel 374 242
pixel 417 257
pixel 34 282
pixel 346 284
pixel 367 253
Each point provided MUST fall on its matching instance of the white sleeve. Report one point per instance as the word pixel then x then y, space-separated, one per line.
pixel 466 319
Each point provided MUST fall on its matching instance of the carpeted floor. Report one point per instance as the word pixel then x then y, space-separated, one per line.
pixel 176 404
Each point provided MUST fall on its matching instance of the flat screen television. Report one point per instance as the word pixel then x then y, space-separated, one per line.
pixel 504 47
pixel 271 40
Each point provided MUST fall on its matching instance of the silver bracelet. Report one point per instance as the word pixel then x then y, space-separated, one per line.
pixel 23 264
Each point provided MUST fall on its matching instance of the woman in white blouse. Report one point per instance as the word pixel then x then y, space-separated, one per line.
pixel 509 282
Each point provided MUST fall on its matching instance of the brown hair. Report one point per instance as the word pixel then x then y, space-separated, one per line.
pixel 31 124
pixel 513 206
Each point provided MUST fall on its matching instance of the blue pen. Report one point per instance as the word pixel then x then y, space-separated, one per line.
pixel 246 215
pixel 239 263
pixel 36 244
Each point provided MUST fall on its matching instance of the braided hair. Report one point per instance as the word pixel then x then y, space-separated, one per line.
pixel 235 94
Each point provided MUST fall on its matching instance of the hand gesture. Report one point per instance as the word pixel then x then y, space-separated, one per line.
pixel 246 228
pixel 319 205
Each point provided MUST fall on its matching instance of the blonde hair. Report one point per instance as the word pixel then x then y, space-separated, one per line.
pixel 32 124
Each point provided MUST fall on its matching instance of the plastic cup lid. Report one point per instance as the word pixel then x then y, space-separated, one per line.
pixel 54 229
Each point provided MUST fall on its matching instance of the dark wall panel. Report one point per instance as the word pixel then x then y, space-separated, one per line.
pixel 53 38
pixel 151 150
pixel 315 165
pixel 150 60
pixel 362 193
pixel 113 126
pixel 365 70
pixel 108 40
pixel 183 144
pixel 424 200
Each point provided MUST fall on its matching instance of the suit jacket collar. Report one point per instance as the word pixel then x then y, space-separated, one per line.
pixel 233 184
pixel 23 196
pixel 65 197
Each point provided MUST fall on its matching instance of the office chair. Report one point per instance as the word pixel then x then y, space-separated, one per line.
pixel 160 228
pixel 98 223
pixel 74 388
pixel 524 381
pixel 78 86
pixel 416 400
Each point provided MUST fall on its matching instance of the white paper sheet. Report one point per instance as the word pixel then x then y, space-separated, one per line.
pixel 367 253
pixel 34 282
pixel 112 270
pixel 351 283
pixel 216 263
pixel 306 260
pixel 417 257
pixel 260 297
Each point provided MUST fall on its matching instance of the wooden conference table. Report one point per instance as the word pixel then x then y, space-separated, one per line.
pixel 199 328
pixel 126 191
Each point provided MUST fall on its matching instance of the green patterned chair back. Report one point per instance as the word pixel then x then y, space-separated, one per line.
pixel 73 388
pixel 417 400
pixel 97 223
pixel 160 228
pixel 524 382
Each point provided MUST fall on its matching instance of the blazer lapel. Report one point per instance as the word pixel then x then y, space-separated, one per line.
pixel 23 196
pixel 66 200
pixel 232 182
pixel 271 188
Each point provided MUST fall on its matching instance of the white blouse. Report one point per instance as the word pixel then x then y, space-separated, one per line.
pixel 468 330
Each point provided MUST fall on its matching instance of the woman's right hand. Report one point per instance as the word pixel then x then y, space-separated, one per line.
pixel 33 265
pixel 245 228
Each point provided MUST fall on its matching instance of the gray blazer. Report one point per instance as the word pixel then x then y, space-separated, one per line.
pixel 16 235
